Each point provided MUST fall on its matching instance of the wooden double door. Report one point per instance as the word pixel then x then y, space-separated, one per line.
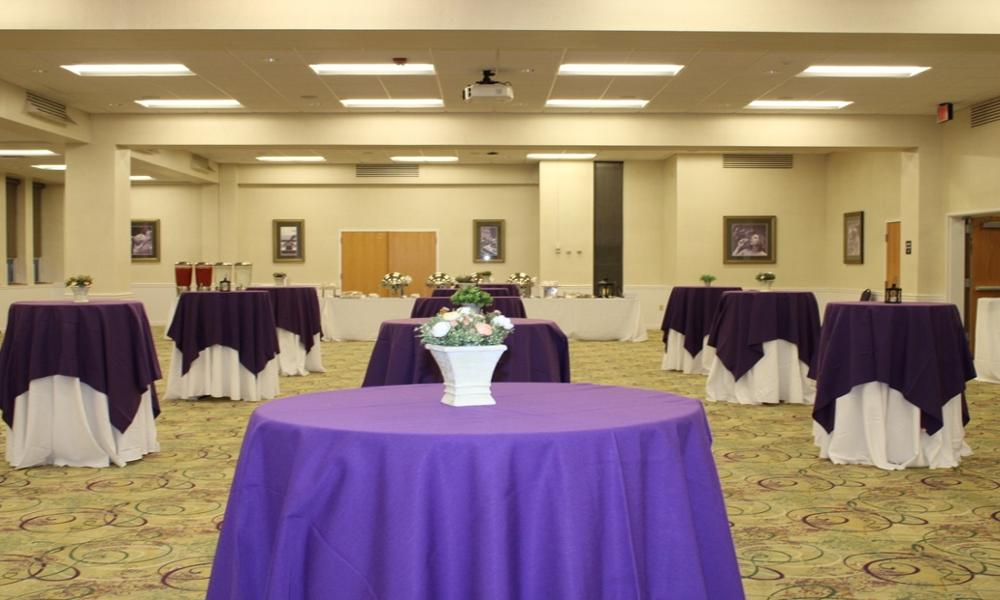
pixel 365 256
pixel 982 266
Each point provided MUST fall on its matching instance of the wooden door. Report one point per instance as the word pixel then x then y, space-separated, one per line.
pixel 414 253
pixel 893 243
pixel 982 260
pixel 364 259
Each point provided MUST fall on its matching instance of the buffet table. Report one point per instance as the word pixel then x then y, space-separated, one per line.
pixel 77 385
pixel 686 322
pixel 591 318
pixel 346 319
pixel 510 306
pixel 557 491
pixel 494 289
pixel 890 383
pixel 297 316
pixel 225 346
pixel 987 359
pixel 537 350
pixel 764 343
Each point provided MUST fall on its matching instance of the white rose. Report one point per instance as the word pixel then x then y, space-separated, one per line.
pixel 503 322
pixel 451 316
pixel 465 310
pixel 440 329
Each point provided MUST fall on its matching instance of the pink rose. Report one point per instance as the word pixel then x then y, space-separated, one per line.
pixel 483 329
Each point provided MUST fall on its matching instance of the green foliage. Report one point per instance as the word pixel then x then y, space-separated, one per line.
pixel 471 295
pixel 79 281
pixel 465 328
pixel 708 278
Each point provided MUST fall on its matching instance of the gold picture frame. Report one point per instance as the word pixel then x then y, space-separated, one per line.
pixel 144 238
pixel 854 238
pixel 289 240
pixel 488 242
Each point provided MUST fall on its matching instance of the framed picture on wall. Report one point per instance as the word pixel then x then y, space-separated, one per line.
pixel 854 238
pixel 145 240
pixel 488 241
pixel 749 240
pixel 289 238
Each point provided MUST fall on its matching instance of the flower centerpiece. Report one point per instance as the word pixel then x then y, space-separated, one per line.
pixel 439 280
pixel 466 346
pixel 280 279
pixel 472 298
pixel 523 282
pixel 80 286
pixel 483 276
pixel 766 279
pixel 707 279
pixel 396 282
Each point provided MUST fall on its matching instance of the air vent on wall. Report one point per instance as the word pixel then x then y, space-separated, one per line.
pixel 756 161
pixel 985 113
pixel 43 108
pixel 387 170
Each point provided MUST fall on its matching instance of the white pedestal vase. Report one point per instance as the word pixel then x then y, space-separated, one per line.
pixel 467 372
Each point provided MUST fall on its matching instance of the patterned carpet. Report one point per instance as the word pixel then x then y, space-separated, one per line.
pixel 804 528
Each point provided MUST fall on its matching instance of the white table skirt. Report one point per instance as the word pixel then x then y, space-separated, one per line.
pixel 779 376
pixel 677 358
pixel 217 372
pixel 293 358
pixel 62 421
pixel 987 358
pixel 875 425
pixel 360 318
pixel 591 318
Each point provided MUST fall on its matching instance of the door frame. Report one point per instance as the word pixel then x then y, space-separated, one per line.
pixel 885 256
pixel 340 248
pixel 954 268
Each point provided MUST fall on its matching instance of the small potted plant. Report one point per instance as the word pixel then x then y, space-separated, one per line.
pixel 483 276
pixel 396 282
pixel 280 279
pixel 80 286
pixel 707 279
pixel 472 298
pixel 466 346
pixel 766 279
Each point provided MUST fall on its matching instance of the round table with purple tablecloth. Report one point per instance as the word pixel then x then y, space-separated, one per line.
pixel 77 384
pixel 890 383
pixel 557 491
pixel 764 344
pixel 511 306
pixel 297 316
pixel 686 322
pixel 225 346
pixel 496 289
pixel 537 350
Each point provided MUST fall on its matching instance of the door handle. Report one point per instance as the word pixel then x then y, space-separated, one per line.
pixel 988 288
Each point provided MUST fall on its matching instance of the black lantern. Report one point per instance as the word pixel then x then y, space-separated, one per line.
pixel 605 289
pixel 893 294
pixel 225 285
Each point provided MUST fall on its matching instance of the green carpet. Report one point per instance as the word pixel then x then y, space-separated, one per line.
pixel 804 528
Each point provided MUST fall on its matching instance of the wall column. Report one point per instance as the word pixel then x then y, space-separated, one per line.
pixel 229 214
pixel 566 222
pixel 24 271
pixel 98 217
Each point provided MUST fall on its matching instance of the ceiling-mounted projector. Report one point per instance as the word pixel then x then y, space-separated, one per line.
pixel 487 90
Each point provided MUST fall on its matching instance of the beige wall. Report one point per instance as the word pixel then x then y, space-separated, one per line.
pixel 178 207
pixel 643 207
pixel 566 221
pixel 51 263
pixel 972 165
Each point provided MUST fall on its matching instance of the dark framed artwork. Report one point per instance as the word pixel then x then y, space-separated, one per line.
pixel 749 240
pixel 289 240
pixel 854 238
pixel 145 240
pixel 489 245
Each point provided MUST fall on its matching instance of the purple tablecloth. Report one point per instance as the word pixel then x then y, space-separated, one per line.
pixel 296 309
pixel 748 319
pixel 106 344
pixel 243 321
pixel 918 349
pixel 511 306
pixel 558 491
pixel 537 350
pixel 690 312
pixel 496 289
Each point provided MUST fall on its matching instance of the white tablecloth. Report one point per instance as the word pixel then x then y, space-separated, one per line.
pixel 779 376
pixel 591 318
pixel 875 425
pixel 217 372
pixel 359 318
pixel 63 421
pixel 293 358
pixel 987 359
pixel 677 358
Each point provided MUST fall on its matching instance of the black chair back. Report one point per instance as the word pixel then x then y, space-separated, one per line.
pixel 866 296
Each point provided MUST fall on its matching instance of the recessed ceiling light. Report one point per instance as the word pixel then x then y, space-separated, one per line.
pixel 800 104
pixel 26 152
pixel 596 103
pixel 373 69
pixel 190 103
pixel 616 70
pixel 49 167
pixel 141 178
pixel 307 158
pixel 126 70
pixel 393 103
pixel 441 159
pixel 562 156
pixel 861 71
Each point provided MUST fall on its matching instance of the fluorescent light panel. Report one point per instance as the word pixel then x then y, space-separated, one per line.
pixel 190 103
pixel 309 158
pixel 861 71
pixel 393 103
pixel 373 69
pixel 616 70
pixel 129 70
pixel 799 104
pixel 141 178
pixel 438 159
pixel 596 103
pixel 49 167
pixel 26 152
pixel 562 156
